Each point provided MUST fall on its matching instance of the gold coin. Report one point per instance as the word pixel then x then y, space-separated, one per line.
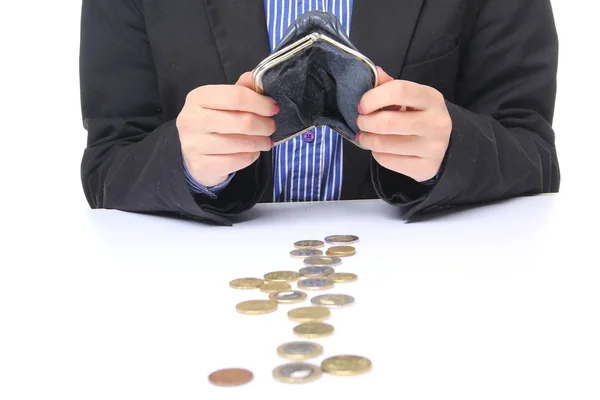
pixel 309 314
pixel 346 365
pixel 271 287
pixel 282 276
pixel 309 244
pixel 341 251
pixel 313 330
pixel 304 253
pixel 256 307
pixel 297 373
pixel 288 296
pixel 246 283
pixel 343 277
pixel 300 351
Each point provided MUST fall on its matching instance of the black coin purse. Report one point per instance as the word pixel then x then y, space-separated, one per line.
pixel 317 78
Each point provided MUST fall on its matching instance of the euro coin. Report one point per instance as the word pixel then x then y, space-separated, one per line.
pixel 297 373
pixel 230 377
pixel 309 244
pixel 316 271
pixel 343 277
pixel 320 283
pixel 288 296
pixel 300 351
pixel 303 253
pixel 256 307
pixel 341 251
pixel 332 300
pixel 246 283
pixel 346 365
pixel 313 330
pixel 309 314
pixel 322 261
pixel 271 287
pixel 340 240
pixel 282 276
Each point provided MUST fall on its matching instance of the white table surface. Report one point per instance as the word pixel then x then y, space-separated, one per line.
pixel 495 302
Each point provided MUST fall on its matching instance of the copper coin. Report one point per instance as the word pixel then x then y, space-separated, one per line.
pixel 230 377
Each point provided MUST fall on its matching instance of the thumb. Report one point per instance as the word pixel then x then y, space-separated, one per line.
pixel 383 77
pixel 246 80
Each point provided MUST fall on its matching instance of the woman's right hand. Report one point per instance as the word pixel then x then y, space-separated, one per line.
pixel 223 129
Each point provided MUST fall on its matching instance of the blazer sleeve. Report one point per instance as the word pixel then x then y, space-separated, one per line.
pixel 133 161
pixel 502 143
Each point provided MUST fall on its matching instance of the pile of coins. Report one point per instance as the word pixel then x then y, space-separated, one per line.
pixel 317 274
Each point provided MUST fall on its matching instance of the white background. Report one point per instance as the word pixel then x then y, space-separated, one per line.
pixel 40 151
pixel 43 139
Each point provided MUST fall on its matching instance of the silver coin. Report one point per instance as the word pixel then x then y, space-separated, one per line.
pixel 333 300
pixel 340 240
pixel 322 261
pixel 315 283
pixel 297 373
pixel 300 350
pixel 309 244
pixel 303 253
pixel 288 296
pixel 316 271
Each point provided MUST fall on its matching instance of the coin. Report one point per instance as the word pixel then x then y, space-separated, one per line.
pixel 256 307
pixel 303 253
pixel 309 244
pixel 315 283
pixel 309 314
pixel 322 261
pixel 297 373
pixel 270 287
pixel 333 300
pixel 230 377
pixel 313 330
pixel 336 240
pixel 246 283
pixel 288 296
pixel 282 276
pixel 343 277
pixel 341 251
pixel 300 350
pixel 346 365
pixel 316 271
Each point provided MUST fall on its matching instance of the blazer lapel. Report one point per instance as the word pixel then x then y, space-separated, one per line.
pixel 241 36
pixel 242 40
pixel 382 31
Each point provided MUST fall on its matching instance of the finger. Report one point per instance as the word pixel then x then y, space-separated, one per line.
pixel 398 93
pixel 246 80
pixel 413 167
pixel 227 122
pixel 397 122
pixel 216 143
pixel 225 164
pixel 393 144
pixel 382 77
pixel 233 98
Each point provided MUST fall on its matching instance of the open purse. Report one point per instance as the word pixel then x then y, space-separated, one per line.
pixel 316 77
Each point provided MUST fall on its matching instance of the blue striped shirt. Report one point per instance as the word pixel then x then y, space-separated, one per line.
pixel 308 167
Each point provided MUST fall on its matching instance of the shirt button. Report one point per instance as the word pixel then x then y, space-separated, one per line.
pixel 309 136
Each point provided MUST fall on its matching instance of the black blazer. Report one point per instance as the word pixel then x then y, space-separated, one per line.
pixel 494 60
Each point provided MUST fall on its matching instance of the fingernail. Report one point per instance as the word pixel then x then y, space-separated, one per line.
pixel 360 109
pixel 358 137
pixel 272 143
pixel 275 109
